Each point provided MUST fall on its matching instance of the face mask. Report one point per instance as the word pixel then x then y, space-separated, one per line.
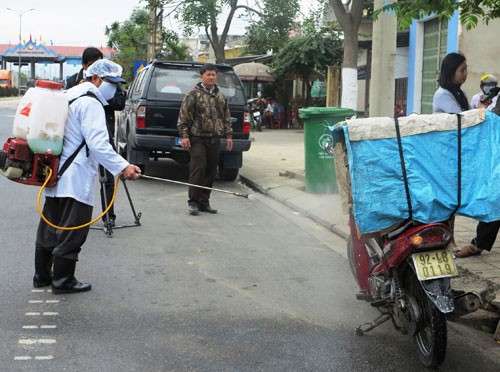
pixel 107 90
pixel 487 89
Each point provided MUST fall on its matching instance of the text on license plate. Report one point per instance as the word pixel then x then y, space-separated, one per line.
pixel 435 264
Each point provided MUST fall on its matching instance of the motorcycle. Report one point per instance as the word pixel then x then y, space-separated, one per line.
pixel 255 113
pixel 405 274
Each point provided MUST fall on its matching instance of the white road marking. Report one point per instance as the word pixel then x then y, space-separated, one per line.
pixel 48 326
pixel 38 357
pixel 23 357
pixel 29 341
pixel 41 301
pixel 43 326
pixel 45 313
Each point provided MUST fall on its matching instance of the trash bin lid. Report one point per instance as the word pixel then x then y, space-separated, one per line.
pixel 313 112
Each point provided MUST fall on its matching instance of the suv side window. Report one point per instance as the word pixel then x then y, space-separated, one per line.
pixel 136 89
pixel 231 87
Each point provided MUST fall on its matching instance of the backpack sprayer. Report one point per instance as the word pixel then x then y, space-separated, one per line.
pixel 38 134
pixel 32 155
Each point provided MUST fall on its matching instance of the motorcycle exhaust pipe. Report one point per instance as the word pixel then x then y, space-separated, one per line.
pixel 466 302
pixel 243 195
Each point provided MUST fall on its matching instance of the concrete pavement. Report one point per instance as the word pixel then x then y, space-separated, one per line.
pixel 275 165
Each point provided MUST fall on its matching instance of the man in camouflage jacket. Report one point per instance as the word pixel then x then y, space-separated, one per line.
pixel 203 119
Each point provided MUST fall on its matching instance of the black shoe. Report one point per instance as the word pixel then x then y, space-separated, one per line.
pixel 63 280
pixel 194 210
pixel 41 284
pixel 71 286
pixel 207 208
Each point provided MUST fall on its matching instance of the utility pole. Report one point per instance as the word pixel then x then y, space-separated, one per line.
pixel 151 50
pixel 20 14
pixel 156 23
pixel 383 70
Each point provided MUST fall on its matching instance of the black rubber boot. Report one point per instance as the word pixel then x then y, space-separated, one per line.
pixel 63 280
pixel 43 268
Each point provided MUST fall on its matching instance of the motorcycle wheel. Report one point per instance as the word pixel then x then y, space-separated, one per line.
pixel 431 336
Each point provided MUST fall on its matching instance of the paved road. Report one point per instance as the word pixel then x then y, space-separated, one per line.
pixel 257 287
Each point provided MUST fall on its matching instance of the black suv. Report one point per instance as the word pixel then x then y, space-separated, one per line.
pixel 147 127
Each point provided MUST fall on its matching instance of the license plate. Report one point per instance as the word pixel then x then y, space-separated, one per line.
pixel 178 141
pixel 435 264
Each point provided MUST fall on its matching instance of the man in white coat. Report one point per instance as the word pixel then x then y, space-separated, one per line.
pixel 70 202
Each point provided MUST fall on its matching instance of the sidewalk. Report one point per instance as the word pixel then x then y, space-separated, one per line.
pixel 274 165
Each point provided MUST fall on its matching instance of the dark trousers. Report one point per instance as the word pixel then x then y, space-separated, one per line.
pixel 107 189
pixel 202 168
pixel 486 234
pixel 64 212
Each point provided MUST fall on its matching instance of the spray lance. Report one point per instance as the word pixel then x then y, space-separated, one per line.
pixel 243 195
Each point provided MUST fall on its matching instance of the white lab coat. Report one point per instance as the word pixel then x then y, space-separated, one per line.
pixel 86 120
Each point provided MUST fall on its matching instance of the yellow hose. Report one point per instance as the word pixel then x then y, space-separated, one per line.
pixel 73 227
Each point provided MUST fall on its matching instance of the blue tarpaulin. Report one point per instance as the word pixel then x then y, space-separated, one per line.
pixel 431 162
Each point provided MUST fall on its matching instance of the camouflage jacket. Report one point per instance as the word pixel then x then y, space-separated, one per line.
pixel 204 114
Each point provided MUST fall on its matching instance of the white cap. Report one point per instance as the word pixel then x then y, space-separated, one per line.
pixel 104 68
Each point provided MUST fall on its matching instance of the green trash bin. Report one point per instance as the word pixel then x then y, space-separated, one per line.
pixel 320 170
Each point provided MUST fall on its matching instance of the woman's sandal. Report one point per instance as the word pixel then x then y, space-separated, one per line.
pixel 468 250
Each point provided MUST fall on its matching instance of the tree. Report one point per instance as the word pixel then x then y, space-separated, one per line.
pixel 130 39
pixel 271 31
pixel 302 56
pixel 195 14
pixel 349 18
pixel 471 11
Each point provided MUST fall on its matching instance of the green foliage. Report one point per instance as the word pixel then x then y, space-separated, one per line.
pixel 130 38
pixel 301 56
pixel 204 14
pixel 271 30
pixel 199 13
pixel 471 11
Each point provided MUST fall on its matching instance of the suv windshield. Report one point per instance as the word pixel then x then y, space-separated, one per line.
pixel 174 84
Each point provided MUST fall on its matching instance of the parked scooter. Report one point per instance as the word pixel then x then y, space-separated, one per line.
pixel 406 275
pixel 254 105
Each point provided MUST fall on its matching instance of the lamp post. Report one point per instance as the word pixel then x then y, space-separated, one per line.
pixel 20 14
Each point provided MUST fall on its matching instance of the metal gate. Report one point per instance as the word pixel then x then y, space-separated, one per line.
pixel 434 51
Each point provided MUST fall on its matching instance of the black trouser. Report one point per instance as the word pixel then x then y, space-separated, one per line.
pixel 107 189
pixel 202 168
pixel 486 233
pixel 64 212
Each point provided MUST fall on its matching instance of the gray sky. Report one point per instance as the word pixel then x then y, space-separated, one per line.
pixel 75 22
pixel 69 22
